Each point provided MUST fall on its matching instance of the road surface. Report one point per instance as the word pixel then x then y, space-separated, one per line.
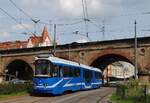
pixel 91 96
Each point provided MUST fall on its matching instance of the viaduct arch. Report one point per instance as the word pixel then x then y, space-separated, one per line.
pixel 20 69
pixel 91 53
pixel 104 60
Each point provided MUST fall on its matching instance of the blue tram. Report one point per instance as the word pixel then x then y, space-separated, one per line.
pixel 56 76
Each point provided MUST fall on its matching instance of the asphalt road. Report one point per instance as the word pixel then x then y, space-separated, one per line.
pixel 91 96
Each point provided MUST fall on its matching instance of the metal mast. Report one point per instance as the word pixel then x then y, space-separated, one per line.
pixel 135 47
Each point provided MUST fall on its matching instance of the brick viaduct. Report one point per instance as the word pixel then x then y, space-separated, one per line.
pixel 97 54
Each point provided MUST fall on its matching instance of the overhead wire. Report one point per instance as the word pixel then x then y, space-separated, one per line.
pixel 87 19
pixel 85 16
pixel 42 22
pixel 86 9
pixel 146 12
pixel 9 15
pixel 83 8
pixel 142 13
pixel 21 10
pixel 13 18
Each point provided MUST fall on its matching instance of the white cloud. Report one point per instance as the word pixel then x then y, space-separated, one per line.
pixel 82 41
pixel 36 4
pixel 22 26
pixel 57 10
pixel 4 34
pixel 94 7
pixel 71 8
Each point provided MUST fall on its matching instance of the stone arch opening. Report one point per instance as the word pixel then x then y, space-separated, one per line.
pixel 19 69
pixel 115 67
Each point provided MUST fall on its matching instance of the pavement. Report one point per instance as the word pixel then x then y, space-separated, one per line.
pixel 90 96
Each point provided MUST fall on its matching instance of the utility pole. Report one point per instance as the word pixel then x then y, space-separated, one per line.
pixel 135 47
pixel 50 25
pixel 54 39
pixel 103 29
pixel 69 51
pixel 107 76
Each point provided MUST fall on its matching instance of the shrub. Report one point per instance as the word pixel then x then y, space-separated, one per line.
pixel 133 90
pixel 9 88
pixel 121 90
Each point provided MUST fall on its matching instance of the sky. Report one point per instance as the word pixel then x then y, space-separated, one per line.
pixel 116 16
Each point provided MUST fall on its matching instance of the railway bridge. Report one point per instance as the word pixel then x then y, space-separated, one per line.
pixel 98 54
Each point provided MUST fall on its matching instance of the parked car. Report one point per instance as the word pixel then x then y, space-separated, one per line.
pixel 112 83
pixel 18 81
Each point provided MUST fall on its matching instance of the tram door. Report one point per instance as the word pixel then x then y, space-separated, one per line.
pixel 88 78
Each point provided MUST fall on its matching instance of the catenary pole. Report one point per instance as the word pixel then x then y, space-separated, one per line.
pixel 135 47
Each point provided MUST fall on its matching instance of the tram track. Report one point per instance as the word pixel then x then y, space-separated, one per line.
pixel 101 98
pixel 90 96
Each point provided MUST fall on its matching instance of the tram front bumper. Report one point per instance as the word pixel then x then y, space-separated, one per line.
pixel 42 89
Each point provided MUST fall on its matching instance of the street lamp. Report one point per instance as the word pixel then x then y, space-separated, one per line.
pixel 35 23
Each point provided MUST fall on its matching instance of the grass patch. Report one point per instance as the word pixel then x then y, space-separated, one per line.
pixel 117 99
pixel 13 95
pixel 133 91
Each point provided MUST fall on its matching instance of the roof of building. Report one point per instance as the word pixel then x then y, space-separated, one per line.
pixel 39 39
pixel 35 40
pixel 45 33
pixel 12 45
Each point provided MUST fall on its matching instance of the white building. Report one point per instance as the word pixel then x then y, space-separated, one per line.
pixel 119 70
pixel 38 41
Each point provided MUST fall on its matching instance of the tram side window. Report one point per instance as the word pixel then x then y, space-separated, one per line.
pixel 55 71
pixel 66 71
pixel 71 72
pixel 90 74
pixel 97 75
pixel 60 71
pixel 87 75
pixel 76 72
